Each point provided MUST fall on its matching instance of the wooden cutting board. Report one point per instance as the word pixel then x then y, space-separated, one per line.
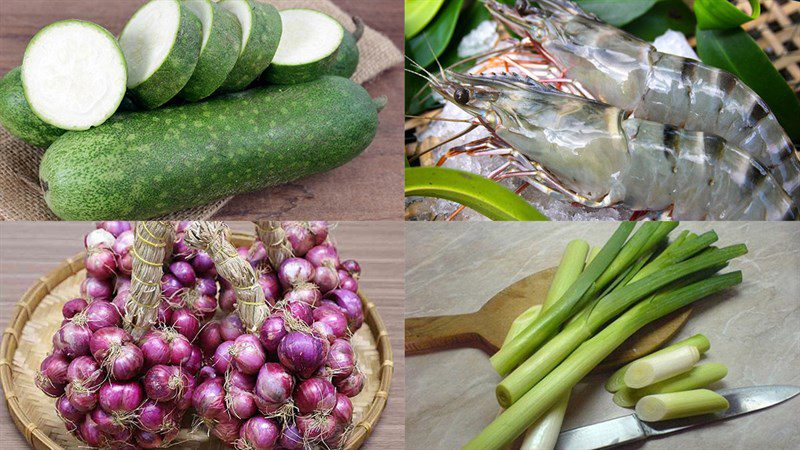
pixel 486 328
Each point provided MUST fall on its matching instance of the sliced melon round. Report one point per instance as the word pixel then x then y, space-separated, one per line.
pixel 219 51
pixel 162 44
pixel 73 74
pixel 261 32
pixel 16 115
pixel 346 61
pixel 308 46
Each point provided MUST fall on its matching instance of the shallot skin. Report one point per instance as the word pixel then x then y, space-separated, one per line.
pixel 324 255
pixel 341 358
pixel 73 339
pixel 122 397
pixel 208 399
pixel 351 385
pixel 315 394
pixel 294 271
pixel 350 303
pixel 291 439
pixel 164 383
pixel 302 353
pixel 352 267
pixel 319 228
pixel 273 329
pixel 299 237
pixel 222 357
pixel 343 410
pixel 67 412
pixel 126 363
pixel 248 355
pixel 274 387
pixel 72 307
pixel 209 338
pixel 227 429
pixel 102 314
pixel 258 433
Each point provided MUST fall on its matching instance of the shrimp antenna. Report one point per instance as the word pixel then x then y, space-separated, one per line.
pixel 440 119
pixel 436 60
pixel 422 89
pixel 420 71
pixel 448 140
pixel 483 55
pixel 424 73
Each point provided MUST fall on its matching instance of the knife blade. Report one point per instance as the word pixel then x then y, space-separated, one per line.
pixel 626 429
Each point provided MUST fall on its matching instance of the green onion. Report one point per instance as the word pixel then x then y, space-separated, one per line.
pixel 678 252
pixel 522 321
pixel 644 240
pixel 699 377
pixel 677 405
pixel 649 371
pixel 590 320
pixel 616 381
pixel 536 402
pixel 544 433
pixel 592 254
pixel 569 269
pixel 529 339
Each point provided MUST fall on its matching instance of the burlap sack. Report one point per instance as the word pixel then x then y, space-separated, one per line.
pixel 20 194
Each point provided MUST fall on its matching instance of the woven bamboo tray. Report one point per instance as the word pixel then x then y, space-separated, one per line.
pixel 38 315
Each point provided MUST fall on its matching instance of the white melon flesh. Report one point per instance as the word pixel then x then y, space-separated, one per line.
pixel 148 39
pixel 73 74
pixel 241 9
pixel 308 36
pixel 202 9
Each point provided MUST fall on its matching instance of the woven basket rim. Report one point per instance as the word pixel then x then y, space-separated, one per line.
pixel 24 308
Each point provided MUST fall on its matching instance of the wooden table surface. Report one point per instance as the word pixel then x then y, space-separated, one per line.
pixel 29 250
pixel 369 187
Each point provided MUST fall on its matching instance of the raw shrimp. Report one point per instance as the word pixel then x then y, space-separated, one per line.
pixel 584 151
pixel 622 70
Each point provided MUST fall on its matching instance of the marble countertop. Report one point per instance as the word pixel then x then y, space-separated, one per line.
pixel 755 330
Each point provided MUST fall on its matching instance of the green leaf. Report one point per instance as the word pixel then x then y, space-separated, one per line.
pixel 425 47
pixel 720 14
pixel 470 18
pixel 666 15
pixel 481 194
pixel 617 12
pixel 735 51
pixel 418 14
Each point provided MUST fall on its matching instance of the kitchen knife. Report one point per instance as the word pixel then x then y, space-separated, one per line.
pixel 626 429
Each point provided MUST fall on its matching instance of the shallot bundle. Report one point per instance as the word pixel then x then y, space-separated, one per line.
pixel 288 383
pixel 284 382
pixel 112 390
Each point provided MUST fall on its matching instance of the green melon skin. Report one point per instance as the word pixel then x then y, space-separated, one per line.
pixel 265 35
pixel 18 118
pixel 346 57
pixel 302 73
pixel 177 68
pixel 145 164
pixel 218 57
